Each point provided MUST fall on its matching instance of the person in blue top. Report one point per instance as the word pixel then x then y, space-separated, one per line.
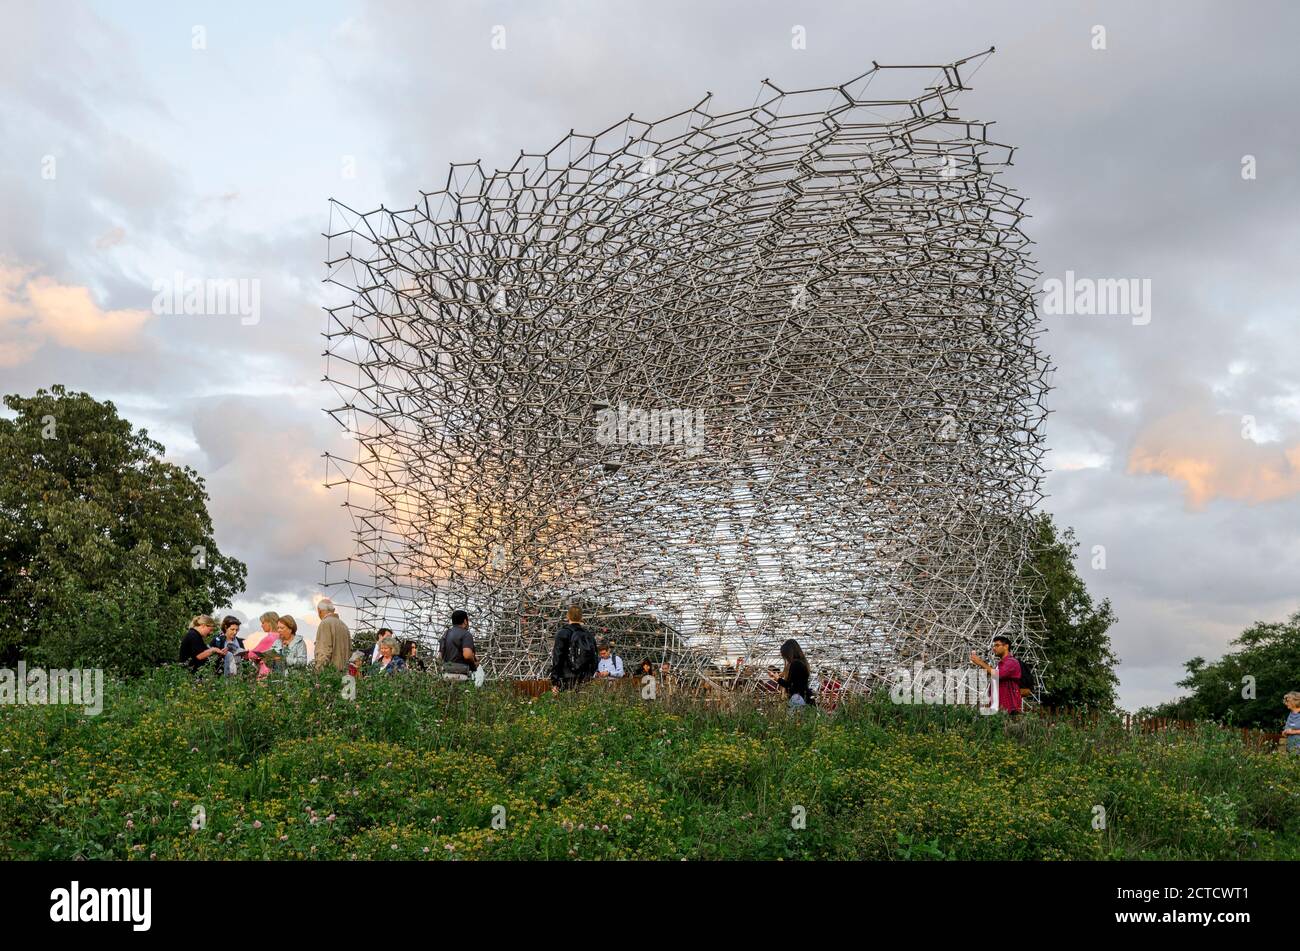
pixel 389 662
pixel 611 665
pixel 1292 729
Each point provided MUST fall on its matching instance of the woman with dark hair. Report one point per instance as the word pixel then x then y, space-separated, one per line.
pixel 409 652
pixel 647 667
pixel 794 679
pixel 234 645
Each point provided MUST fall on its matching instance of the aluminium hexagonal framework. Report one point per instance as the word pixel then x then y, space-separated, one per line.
pixel 738 376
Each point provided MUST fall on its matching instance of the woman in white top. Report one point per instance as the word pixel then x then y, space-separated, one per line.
pixel 291 646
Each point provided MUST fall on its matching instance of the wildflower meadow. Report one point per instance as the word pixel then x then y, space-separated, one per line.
pixel 183 768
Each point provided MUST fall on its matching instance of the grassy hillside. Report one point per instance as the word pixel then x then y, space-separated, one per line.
pixel 414 768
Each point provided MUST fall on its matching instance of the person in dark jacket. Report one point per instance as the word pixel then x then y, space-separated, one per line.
pixel 234 645
pixel 563 674
pixel 195 651
pixel 796 676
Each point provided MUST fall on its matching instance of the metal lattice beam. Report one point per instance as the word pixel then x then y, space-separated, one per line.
pixel 750 374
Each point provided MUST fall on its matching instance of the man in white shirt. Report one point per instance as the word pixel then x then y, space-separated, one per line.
pixel 611 665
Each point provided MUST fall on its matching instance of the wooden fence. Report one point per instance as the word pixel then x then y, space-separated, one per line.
pixel 705 689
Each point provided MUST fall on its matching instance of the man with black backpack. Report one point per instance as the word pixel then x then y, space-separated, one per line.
pixel 573 661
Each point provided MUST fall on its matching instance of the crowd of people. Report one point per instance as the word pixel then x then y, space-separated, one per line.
pixel 577 657
pixel 278 646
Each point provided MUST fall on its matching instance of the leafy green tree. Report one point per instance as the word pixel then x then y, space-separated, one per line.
pixel 1079 672
pixel 1244 687
pixel 106 551
pixel 364 640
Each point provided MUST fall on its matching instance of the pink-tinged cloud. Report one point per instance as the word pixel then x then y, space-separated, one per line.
pixel 111 238
pixel 1214 460
pixel 38 310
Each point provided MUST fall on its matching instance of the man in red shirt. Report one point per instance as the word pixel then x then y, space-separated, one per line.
pixel 1007 674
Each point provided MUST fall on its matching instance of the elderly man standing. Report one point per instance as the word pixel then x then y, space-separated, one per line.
pixel 333 640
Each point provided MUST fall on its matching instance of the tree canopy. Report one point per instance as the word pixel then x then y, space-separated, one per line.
pixel 106 551
pixel 1080 665
pixel 1244 687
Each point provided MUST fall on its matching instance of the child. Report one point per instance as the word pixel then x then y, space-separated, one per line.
pixel 1292 728
pixel 355 663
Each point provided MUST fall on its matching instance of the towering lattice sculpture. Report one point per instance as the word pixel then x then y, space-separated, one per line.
pixel 731 377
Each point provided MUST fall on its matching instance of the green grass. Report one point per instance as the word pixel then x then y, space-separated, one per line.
pixel 416 768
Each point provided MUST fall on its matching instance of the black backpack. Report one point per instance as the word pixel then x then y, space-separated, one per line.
pixel 1026 675
pixel 581 654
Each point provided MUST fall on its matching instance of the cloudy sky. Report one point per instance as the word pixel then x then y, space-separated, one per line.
pixel 145 139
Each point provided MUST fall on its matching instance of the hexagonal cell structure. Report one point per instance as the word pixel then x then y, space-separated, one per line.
pixel 724 378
